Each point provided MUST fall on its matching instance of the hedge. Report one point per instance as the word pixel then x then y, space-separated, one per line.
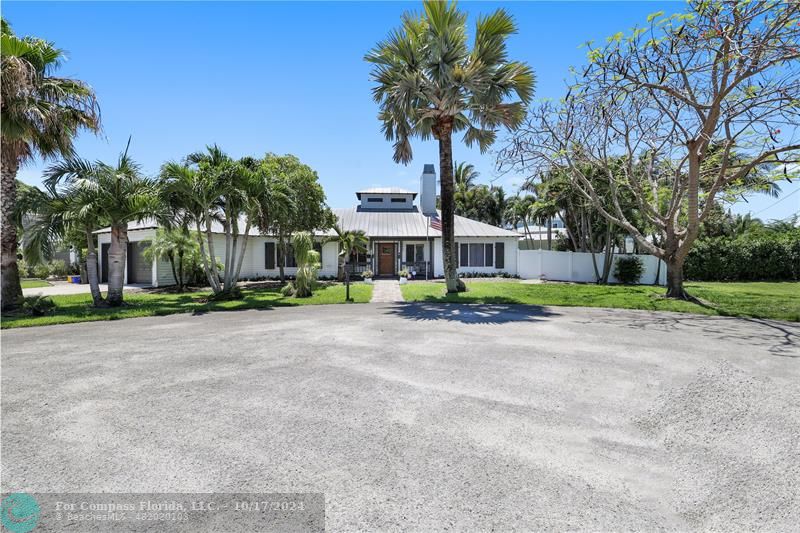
pixel 774 257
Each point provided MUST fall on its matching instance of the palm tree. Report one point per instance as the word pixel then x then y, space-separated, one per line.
pixel 430 84
pixel 119 194
pixel 55 214
pixel 465 176
pixel 176 246
pixel 350 242
pixel 41 114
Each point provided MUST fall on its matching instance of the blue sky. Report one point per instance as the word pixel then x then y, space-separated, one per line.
pixel 261 77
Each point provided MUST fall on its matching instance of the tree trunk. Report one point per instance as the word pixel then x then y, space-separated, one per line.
pixel 675 279
pixel 281 258
pixel 608 258
pixel 117 253
pixel 91 270
pixel 9 272
pixel 206 267
pixel 550 233
pixel 213 277
pixel 444 135
pixel 171 259
pixel 240 260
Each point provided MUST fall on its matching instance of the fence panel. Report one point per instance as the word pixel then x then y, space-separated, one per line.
pixel 578 267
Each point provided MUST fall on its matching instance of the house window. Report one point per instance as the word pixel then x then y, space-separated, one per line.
pixel 415 253
pixel 476 255
pixel 357 257
pixel 398 200
pixel 375 200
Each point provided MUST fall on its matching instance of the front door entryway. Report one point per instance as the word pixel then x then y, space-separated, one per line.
pixel 386 257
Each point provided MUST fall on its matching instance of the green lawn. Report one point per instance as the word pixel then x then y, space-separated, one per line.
pixel 762 300
pixel 33 283
pixel 76 308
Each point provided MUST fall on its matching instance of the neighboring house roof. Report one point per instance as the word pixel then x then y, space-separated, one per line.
pixel 406 223
pixel 410 223
pixel 385 190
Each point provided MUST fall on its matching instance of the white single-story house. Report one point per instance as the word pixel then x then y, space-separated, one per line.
pixel 400 231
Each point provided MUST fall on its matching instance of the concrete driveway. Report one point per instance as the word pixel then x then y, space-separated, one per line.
pixel 57 288
pixel 421 416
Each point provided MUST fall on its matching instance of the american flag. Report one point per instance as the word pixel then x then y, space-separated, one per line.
pixel 436 222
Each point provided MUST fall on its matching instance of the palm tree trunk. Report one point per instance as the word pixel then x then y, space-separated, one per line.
pixel 281 257
pixel 448 208
pixel 91 269
pixel 549 233
pixel 9 272
pixel 180 271
pixel 241 252
pixel 213 276
pixel 204 258
pixel 117 253
pixel 171 259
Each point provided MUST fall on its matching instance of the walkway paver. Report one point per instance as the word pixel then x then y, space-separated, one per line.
pixel 386 291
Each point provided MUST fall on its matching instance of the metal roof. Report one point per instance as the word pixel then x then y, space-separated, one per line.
pixel 405 223
pixel 385 190
pixel 410 223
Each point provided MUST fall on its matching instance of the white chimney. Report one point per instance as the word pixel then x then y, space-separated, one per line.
pixel 427 191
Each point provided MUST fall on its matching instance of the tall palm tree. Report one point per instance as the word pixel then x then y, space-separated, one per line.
pixel 350 242
pixel 41 114
pixel 119 193
pixel 430 84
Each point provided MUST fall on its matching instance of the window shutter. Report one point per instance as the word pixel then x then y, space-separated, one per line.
pixel 269 255
pixel 488 252
pixel 499 255
pixel 409 253
pixel 464 255
pixel 318 248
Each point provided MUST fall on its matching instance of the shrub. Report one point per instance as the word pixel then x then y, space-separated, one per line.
pixel 747 258
pixel 41 271
pixel 58 268
pixel 403 273
pixel 38 305
pixel 24 268
pixel 288 289
pixel 629 269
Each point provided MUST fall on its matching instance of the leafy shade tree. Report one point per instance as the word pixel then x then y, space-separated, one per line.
pixel 691 104
pixel 350 243
pixel 116 194
pixel 41 114
pixel 430 84
pixel 305 208
pixel 177 246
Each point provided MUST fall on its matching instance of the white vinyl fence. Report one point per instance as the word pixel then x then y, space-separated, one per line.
pixel 577 266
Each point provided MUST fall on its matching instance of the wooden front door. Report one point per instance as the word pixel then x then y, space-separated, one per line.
pixel 386 259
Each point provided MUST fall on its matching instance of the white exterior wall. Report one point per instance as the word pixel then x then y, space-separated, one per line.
pixel 133 236
pixel 252 263
pixel 578 267
pixel 511 247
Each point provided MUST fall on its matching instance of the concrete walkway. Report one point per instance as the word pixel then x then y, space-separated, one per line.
pixel 386 291
pixel 62 287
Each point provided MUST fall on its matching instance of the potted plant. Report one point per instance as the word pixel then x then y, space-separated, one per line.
pixel 403 276
pixel 367 275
